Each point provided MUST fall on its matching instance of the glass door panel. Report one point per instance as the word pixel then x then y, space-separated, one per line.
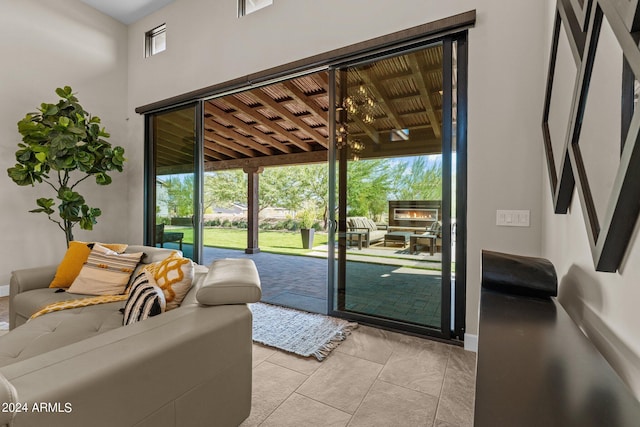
pixel 176 183
pixel 394 179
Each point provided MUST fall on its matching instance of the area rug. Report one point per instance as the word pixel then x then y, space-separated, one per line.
pixel 299 332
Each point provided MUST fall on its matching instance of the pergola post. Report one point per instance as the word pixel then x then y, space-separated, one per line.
pixel 252 208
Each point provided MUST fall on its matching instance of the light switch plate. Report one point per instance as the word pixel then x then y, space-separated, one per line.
pixel 511 218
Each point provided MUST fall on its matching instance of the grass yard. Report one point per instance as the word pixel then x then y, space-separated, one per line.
pixel 281 242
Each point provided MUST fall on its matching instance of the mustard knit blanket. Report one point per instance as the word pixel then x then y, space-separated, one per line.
pixel 79 302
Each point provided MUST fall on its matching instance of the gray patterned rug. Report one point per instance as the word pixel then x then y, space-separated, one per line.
pixel 299 332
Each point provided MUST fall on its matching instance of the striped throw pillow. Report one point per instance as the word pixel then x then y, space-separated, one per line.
pixel 105 273
pixel 145 300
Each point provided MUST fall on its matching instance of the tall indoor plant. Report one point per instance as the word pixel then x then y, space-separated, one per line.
pixel 62 145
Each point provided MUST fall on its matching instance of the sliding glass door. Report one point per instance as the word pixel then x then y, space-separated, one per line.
pixel 175 173
pixel 392 127
pixel 395 204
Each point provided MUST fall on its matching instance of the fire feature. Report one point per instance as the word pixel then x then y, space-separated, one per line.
pixel 414 213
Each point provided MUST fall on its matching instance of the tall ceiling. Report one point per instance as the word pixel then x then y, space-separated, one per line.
pixel 127 11
pixel 287 122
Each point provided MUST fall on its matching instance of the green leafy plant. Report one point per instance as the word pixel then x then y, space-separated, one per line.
pixel 63 145
pixel 308 217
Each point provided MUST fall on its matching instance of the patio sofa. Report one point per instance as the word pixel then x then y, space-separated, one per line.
pixel 190 366
pixel 372 232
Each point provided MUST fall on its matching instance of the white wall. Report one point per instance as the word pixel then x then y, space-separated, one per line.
pixel 45 45
pixel 208 44
pixel 604 305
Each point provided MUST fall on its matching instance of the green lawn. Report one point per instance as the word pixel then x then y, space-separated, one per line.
pixel 282 242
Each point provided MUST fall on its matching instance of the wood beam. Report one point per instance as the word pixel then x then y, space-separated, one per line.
pixel 265 161
pixel 239 124
pixel 382 100
pixel 259 118
pixel 369 130
pixel 424 92
pixel 295 93
pixel 232 134
pixel 267 101
pixel 212 146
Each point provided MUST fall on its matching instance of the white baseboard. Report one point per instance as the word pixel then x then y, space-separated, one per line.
pixel 471 342
pixel 4 290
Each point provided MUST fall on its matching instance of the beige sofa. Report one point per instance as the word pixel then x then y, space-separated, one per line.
pixel 190 366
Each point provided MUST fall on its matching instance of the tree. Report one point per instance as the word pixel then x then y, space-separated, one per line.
pixel 281 187
pixel 368 186
pixel 223 188
pixel 178 195
pixel 65 141
pixel 418 179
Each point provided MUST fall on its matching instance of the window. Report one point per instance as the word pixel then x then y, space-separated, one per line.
pixel 246 7
pixel 156 40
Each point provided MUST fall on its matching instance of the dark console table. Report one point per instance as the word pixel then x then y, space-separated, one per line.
pixel 536 368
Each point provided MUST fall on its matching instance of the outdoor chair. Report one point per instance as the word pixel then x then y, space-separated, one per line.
pixel 163 237
pixel 431 238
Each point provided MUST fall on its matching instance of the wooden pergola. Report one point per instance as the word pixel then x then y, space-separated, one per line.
pixel 286 123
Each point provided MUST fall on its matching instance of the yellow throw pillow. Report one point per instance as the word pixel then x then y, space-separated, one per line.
pixel 174 275
pixel 71 264
pixel 105 272
pixel 74 259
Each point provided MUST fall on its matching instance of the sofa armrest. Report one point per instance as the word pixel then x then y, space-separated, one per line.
pixel 230 281
pixel 31 278
pixel 25 280
pixel 7 395
pixel 361 229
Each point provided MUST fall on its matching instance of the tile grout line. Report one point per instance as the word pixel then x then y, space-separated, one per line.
pixel 290 394
pixel 444 378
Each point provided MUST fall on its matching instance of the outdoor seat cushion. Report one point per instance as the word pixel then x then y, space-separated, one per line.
pixel 57 329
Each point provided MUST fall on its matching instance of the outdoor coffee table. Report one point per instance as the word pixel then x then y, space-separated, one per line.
pixel 396 237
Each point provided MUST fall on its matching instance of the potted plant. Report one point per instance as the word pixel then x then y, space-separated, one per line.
pixel 63 145
pixel 307 219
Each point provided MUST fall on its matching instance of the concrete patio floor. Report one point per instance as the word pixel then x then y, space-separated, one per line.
pixel 379 285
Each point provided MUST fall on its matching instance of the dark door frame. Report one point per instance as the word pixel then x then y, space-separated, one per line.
pixel 449 330
pixel 454 27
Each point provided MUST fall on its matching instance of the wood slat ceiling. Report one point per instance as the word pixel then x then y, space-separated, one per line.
pixel 287 122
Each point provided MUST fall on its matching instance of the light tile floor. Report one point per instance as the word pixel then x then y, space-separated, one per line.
pixel 374 378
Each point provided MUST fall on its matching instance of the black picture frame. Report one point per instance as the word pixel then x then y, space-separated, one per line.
pixel 582 10
pixel 562 183
pixel 610 235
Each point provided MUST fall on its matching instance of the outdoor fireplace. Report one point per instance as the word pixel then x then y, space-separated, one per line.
pixel 414 213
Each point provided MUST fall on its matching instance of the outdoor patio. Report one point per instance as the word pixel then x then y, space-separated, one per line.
pixel 400 287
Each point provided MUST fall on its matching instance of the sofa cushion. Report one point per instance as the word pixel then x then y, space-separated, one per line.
pixel 71 264
pixel 106 272
pixel 29 302
pixel 57 329
pixel 230 281
pixel 73 260
pixel 174 275
pixel 145 300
